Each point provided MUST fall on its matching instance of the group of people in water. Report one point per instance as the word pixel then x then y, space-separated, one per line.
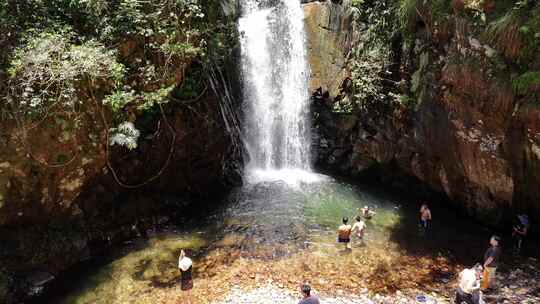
pixel 472 282
pixel 358 229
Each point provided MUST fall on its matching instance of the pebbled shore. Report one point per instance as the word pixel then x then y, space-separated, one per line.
pixel 271 294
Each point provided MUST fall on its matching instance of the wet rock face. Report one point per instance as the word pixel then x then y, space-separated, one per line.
pixel 330 36
pixel 42 169
pixel 468 136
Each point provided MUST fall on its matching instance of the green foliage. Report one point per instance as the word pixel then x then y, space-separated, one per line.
pixel 440 9
pixel 192 85
pixel 125 52
pixel 379 16
pixel 527 83
pixel 50 69
pixel 408 12
pixel 406 101
pixel 369 59
pixel 531 35
pixel 367 84
pixel 517 33
pixel 181 49
pixel 156 97
pixel 118 100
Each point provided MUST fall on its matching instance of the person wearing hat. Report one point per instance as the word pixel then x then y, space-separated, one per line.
pixel 307 297
pixel 186 265
pixel 491 261
pixel 520 232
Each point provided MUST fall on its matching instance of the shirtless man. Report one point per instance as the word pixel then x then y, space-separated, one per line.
pixel 468 290
pixel 359 229
pixel 344 233
pixel 425 218
pixel 367 213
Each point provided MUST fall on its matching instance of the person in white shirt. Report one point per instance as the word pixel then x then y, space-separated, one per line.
pixel 468 290
pixel 185 265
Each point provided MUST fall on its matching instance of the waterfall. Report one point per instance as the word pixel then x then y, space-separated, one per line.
pixel 275 86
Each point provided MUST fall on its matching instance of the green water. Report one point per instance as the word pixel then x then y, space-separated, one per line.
pixel 264 225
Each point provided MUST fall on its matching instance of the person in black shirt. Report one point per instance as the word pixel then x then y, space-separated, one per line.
pixel 520 232
pixel 491 261
pixel 307 297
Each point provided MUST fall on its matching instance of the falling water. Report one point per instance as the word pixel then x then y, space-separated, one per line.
pixel 275 79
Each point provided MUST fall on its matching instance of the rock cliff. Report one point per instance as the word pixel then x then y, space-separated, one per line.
pixel 459 126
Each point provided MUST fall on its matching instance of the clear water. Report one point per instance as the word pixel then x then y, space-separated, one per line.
pixel 283 234
pixel 275 86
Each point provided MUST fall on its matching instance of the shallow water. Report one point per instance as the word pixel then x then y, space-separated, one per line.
pixel 284 234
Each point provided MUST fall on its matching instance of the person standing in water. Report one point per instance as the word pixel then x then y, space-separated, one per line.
pixel 425 218
pixel 359 229
pixel 344 233
pixel 367 213
pixel 186 265
pixel 307 298
pixel 491 261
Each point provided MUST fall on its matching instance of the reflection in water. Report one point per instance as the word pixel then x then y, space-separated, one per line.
pixel 274 232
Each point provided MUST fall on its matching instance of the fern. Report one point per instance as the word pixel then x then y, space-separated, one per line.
pixel 505 34
pixel 125 135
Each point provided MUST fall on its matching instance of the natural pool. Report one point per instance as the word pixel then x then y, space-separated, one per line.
pixel 282 234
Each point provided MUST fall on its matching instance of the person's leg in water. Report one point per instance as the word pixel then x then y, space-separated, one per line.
pixel 348 244
pixel 361 240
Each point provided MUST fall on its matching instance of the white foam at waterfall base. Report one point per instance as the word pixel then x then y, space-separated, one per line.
pixel 292 177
